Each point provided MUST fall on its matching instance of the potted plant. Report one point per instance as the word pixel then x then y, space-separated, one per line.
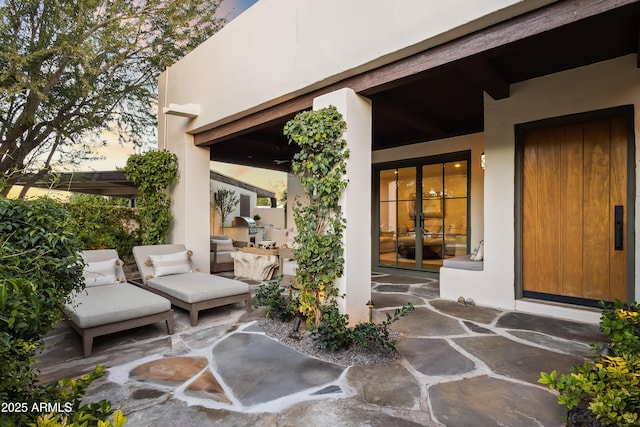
pixel 257 219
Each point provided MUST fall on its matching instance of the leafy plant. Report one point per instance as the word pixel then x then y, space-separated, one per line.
pixel 152 173
pixel 104 223
pixel 372 334
pixel 40 269
pixel 321 165
pixel 621 323
pixel 334 334
pixel 276 305
pixel 609 387
pixel 225 201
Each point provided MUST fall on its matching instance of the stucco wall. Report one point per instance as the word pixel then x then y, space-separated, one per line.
pixel 280 48
pixel 215 186
pixel 598 86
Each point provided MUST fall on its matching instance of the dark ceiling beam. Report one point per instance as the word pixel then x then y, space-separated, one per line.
pixel 486 76
pixel 544 19
pixel 407 116
pixel 256 161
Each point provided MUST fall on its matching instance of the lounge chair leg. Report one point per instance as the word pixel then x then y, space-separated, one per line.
pixel 170 324
pixel 194 317
pixel 248 306
pixel 87 344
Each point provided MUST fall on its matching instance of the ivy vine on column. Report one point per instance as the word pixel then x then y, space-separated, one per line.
pixel 152 173
pixel 321 166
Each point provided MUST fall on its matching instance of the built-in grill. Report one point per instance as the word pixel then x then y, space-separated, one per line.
pixel 245 221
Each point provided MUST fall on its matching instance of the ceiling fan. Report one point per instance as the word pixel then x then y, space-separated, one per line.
pixel 279 162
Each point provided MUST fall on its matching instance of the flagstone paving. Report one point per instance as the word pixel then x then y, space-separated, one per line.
pixel 460 366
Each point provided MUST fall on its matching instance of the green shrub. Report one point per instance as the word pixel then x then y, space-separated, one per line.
pixel 333 332
pixel 276 305
pixel 621 323
pixel 610 387
pixel 152 173
pixel 40 269
pixel 105 223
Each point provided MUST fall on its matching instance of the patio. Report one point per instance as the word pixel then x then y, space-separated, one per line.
pixel 460 366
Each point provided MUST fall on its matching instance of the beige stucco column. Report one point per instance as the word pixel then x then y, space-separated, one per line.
pixel 355 201
pixel 190 196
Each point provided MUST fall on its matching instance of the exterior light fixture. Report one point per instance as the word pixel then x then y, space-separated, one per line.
pixel 370 306
pixel 482 161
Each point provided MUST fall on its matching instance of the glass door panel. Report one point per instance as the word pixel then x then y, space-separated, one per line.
pixel 388 214
pixel 407 219
pixel 432 212
pixel 455 208
pixel 422 213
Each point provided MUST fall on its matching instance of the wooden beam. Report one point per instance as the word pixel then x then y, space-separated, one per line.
pixel 486 76
pixel 544 19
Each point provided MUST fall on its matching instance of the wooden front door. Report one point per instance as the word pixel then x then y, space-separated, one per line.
pixel 574 180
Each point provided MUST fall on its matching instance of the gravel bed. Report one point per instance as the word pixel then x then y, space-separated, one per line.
pixel 302 342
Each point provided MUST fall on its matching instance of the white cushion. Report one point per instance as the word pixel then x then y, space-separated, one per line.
pixel 175 263
pixel 196 287
pixel 100 273
pixel 101 305
pixel 224 245
pixel 463 262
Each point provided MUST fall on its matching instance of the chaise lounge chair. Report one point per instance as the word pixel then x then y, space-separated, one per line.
pixel 167 271
pixel 108 304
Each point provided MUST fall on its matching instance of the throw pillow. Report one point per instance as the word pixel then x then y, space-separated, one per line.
pixel 478 252
pixel 175 263
pixel 100 273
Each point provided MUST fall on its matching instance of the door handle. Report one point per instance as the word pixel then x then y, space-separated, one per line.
pixel 618 229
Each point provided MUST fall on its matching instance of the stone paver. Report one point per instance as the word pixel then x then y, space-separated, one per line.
pixel 393 300
pixel 423 322
pixel 468 312
pixel 259 369
pixel 333 413
pixel 434 357
pixel 486 401
pixel 206 386
pixel 373 387
pixel 460 366
pixel 559 328
pixel 516 360
pixel 170 371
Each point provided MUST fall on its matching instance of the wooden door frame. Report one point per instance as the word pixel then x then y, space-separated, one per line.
pixel 626 111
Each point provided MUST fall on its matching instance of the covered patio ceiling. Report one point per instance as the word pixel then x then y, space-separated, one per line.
pixel 438 93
